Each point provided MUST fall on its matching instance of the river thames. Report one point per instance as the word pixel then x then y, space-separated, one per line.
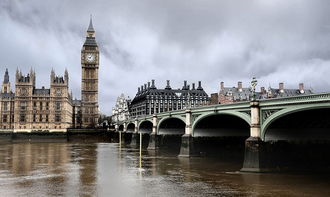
pixel 106 169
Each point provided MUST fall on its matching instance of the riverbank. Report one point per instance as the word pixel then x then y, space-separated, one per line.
pixel 42 136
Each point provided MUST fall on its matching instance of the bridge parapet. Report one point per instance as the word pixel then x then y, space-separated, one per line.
pixel 310 98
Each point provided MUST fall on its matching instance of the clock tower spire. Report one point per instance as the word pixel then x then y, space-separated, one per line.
pixel 89 83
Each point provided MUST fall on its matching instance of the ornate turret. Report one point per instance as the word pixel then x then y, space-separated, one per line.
pixel 52 76
pixel 66 76
pixel 6 77
pixel 6 83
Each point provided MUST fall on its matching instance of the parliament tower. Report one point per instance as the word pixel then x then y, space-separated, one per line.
pixel 89 83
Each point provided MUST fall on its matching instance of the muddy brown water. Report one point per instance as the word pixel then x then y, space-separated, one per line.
pixel 106 169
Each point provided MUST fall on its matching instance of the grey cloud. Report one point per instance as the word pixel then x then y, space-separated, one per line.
pixel 140 40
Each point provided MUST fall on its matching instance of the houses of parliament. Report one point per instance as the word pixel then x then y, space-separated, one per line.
pixel 31 109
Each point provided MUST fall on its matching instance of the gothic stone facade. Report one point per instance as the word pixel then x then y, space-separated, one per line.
pixel 89 84
pixel 31 109
pixel 49 110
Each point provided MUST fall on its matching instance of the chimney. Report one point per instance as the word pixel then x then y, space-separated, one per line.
pixel 138 91
pixel 145 86
pixel 262 90
pixel 281 87
pixel 301 88
pixel 168 87
pixel 193 86
pixel 141 88
pixel 148 84
pixel 222 85
pixel 153 84
pixel 184 85
pixel 188 87
pixel 239 85
pixel 199 85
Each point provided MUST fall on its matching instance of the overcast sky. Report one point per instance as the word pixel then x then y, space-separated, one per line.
pixel 139 40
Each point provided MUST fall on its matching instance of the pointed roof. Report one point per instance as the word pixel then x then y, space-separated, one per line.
pixel 90 27
pixel 6 78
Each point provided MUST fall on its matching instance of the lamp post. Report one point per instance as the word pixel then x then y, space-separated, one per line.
pixel 254 83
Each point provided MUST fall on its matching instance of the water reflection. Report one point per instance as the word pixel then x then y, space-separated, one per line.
pixel 105 169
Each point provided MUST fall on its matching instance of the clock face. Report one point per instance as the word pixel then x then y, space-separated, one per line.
pixel 90 57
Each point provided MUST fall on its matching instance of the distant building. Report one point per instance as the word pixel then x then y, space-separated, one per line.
pixel 150 100
pixel 233 94
pixel 214 99
pixel 77 116
pixel 236 94
pixel 121 110
pixel 283 92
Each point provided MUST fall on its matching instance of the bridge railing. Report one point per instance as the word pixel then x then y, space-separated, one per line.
pixel 310 98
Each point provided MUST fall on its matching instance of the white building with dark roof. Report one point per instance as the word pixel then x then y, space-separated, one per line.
pixel 121 110
pixel 150 100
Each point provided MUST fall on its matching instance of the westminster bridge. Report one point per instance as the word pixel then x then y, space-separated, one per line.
pixel 272 133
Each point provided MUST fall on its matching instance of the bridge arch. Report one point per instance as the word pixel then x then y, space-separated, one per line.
pixel 171 126
pixel 145 126
pixel 241 117
pixel 130 127
pixel 306 113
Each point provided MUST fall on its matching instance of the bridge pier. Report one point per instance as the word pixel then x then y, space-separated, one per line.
pixel 188 146
pixel 135 140
pixel 155 139
pixel 127 137
pixel 255 149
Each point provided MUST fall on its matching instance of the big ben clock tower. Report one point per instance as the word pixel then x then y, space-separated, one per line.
pixel 89 83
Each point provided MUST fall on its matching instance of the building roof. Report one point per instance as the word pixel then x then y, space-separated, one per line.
pixel 90 27
pixel 6 77
pixel 237 94
pixel 168 92
pixel 288 92
pixel 90 41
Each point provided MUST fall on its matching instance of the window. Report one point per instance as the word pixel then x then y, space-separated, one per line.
pixel 47 105
pixel 4 118
pixel 5 106
pixel 34 105
pixel 40 105
pixel 23 105
pixel 34 118
pixel 40 118
pixel 47 118
pixel 22 118
pixel 57 118
pixel 58 105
